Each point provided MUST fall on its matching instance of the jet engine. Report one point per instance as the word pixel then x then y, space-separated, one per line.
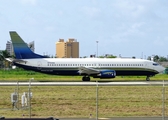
pixel 106 74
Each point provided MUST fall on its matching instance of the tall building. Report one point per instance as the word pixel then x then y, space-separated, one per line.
pixel 9 47
pixel 68 49
pixel 31 46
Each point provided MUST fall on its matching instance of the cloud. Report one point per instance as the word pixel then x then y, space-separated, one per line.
pixel 130 9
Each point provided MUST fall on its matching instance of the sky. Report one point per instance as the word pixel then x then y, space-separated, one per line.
pixel 122 27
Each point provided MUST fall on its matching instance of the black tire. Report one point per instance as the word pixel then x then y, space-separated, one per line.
pixel 147 79
pixel 85 78
pixel 88 78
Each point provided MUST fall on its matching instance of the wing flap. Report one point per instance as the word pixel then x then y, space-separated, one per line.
pixel 88 71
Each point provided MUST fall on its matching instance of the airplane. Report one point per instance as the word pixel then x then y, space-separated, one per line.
pixel 102 68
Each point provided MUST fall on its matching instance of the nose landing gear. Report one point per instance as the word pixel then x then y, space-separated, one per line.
pixel 148 78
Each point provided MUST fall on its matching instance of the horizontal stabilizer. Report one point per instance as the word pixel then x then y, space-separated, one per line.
pixel 15 60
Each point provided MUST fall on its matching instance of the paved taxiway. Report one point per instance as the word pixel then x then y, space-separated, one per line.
pixel 145 83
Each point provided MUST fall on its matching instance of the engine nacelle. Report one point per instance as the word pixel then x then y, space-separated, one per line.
pixel 106 74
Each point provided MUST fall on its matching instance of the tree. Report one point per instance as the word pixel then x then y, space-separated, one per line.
pixel 101 56
pixel 4 54
pixel 1 59
pixel 111 56
pixel 156 58
pixel 84 56
pixel 162 59
pixel 1 56
pixel 149 58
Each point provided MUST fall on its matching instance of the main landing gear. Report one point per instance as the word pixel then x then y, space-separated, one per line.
pixel 85 78
pixel 147 78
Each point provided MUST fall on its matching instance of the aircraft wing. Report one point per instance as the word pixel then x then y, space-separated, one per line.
pixel 87 70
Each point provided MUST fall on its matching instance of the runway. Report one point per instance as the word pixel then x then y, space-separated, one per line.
pixel 32 83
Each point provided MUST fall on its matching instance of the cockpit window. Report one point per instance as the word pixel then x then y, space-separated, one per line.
pixel 155 64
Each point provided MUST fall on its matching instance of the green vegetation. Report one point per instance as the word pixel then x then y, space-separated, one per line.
pixel 157 58
pixel 80 101
pixel 23 75
pixel 4 54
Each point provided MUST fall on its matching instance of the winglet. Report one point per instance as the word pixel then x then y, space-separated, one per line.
pixel 21 50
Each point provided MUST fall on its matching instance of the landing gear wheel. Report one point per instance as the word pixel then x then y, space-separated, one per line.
pixel 147 78
pixel 85 78
pixel 88 78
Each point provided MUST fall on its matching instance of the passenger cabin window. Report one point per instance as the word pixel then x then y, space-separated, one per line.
pixel 155 64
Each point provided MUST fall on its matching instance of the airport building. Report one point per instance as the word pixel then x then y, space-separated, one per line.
pixel 68 49
pixel 31 46
pixel 9 47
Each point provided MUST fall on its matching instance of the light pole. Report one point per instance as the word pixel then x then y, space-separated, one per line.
pixel 97 48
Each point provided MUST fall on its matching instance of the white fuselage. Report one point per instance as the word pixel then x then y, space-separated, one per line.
pixel 64 66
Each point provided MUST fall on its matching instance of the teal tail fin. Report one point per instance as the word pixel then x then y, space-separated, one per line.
pixel 21 49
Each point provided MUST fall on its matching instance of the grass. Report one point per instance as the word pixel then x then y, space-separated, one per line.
pixel 75 102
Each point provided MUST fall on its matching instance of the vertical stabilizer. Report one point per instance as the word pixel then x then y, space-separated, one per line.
pixel 21 49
